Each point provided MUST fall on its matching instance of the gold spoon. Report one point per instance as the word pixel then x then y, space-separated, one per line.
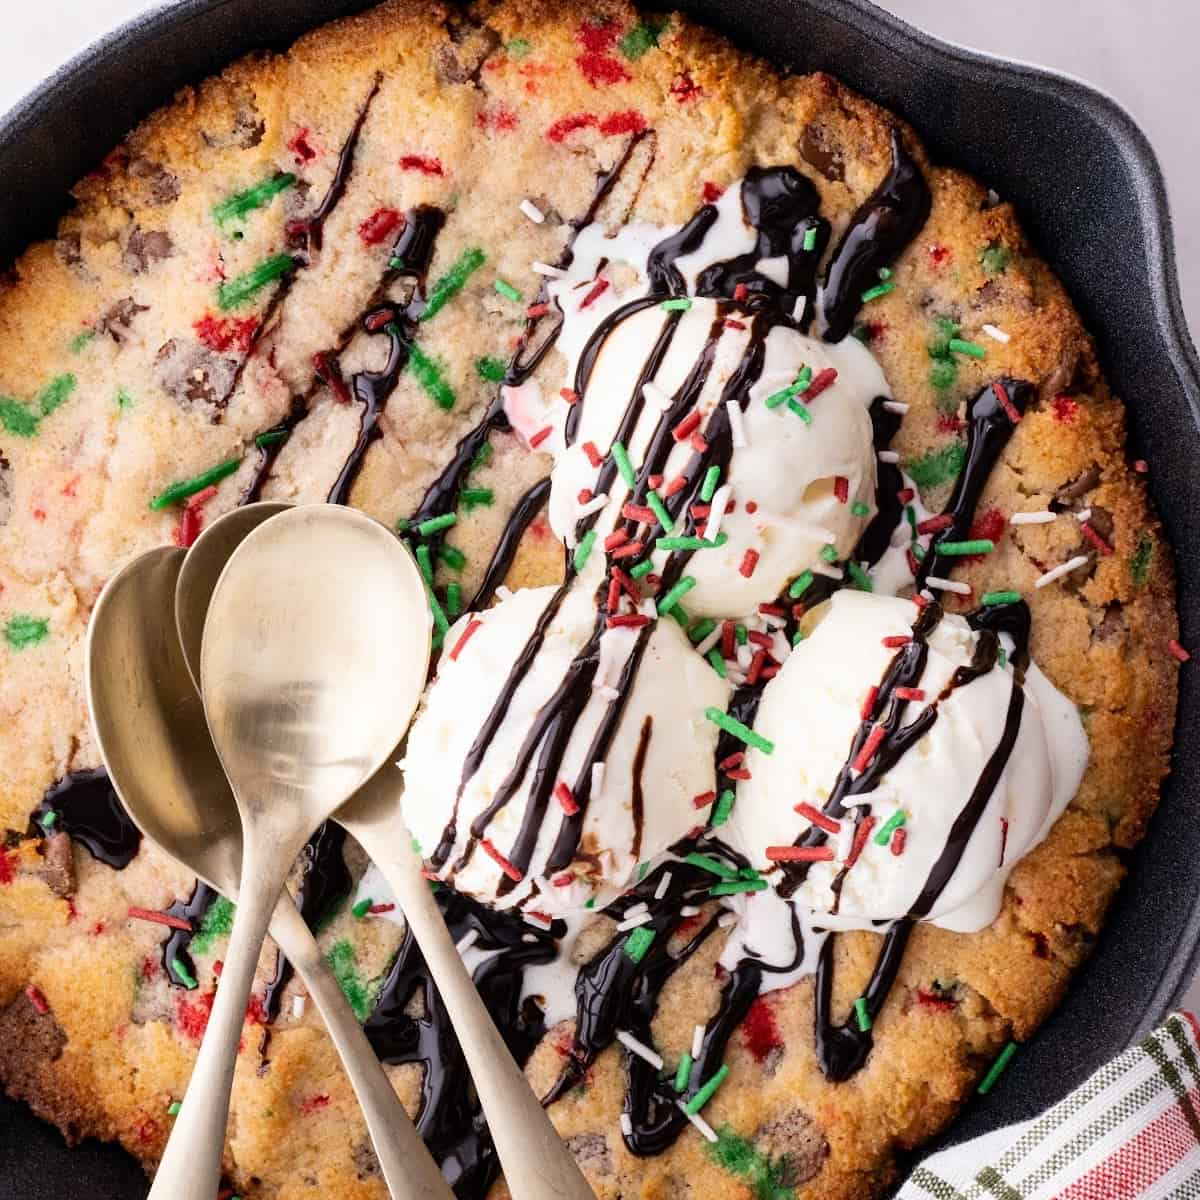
pixel 307 686
pixel 150 727
pixel 537 1165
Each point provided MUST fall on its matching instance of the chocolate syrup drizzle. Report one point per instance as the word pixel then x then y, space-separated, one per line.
pixel 86 807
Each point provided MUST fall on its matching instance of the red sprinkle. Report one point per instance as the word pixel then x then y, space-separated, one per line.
pixel 614 596
pixel 910 558
pixel 8 866
pixel 816 817
pixel 821 381
pixel 899 837
pixel 500 117
pixel 563 880
pixel 770 671
pixel 676 486
pixel 933 524
pixel 300 147
pixel 740 291
pixel 1141 466
pixel 756 666
pixel 37 999
pixel 751 506
pixel 563 794
pixel 628 621
pixel 637 512
pixel 700 510
pixel 868 705
pixel 730 323
pixel 703 800
pixel 618 537
pixel 759 639
pixel 1177 650
pixel 585 494
pixel 512 872
pixel 711 192
pixel 462 641
pixel 687 426
pixel 627 584
pixel 685 88
pixel 597 62
pixel 861 833
pixel 905 495
pixel 377 320
pixel 699 444
pixel 618 123
pixel 202 497
pixel 918 599
pixel 1093 537
pixel 630 550
pixel 160 918
pixel 537 310
pixel 379 909
pixel 772 610
pixel 841 488
pixel 749 562
pixel 655 481
pixel 539 437
pixel 741 772
pixel 422 163
pixel 191 521
pixel 727 640
pixel 896 640
pixel 593 455
pixel 1010 409
pixel 1065 408
pixel 907 693
pixel 760 1030
pixel 934 1001
pixel 862 760
pixel 571 396
pixel 597 289
pixel 312 1103
pixel 939 254
pixel 734 760
pixel 226 333
pixel 380 224
pixel 800 853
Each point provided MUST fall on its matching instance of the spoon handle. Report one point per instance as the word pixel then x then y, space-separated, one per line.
pixel 191 1164
pixel 537 1165
pixel 407 1166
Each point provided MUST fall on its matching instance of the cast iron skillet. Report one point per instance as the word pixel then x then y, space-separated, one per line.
pixel 1089 192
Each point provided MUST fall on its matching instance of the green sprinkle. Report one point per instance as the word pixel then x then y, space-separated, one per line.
pixel 660 511
pixel 1002 658
pixel 642 868
pixel 701 630
pixel 49 819
pixel 801 410
pixel 55 393
pixel 938 466
pixel 861 1015
pixel 680 617
pixel 722 808
pixel 216 924
pixel 859 577
pixel 995 258
pixel 705 1094
pixel 810 238
pixel 680 304
pixel 23 630
pixel 736 729
pixel 270 437
pixel 642 38
pixel 124 399
pixel 235 207
pixel 19 419
pixel 173 1108
pixel 995 1070
pixel 885 272
pixel 452 556
pixel 683 1072
pixel 235 292
pixel 591 902
pixel 624 466
pixel 428 374
pixel 943 373
pixel 80 340
pixel 483 456
pixel 396 262
pixel 859 509
pixel 506 290
pixel 361 909
pixel 189 487
pixel 991 599
pixel 740 635
pixel 918 551
pixel 584 549
pixel 708 488
pixel 185 976
pixel 425 563
pixel 713 865
pixel 889 827
pixel 775 399
pixel 797 637
pixel 676 594
pixel 643 568
pixel 1139 560
pixel 880 289
pixel 939 344
pixel 737 886
pixel 491 369
pixel 638 942
pixel 682 543
pixel 450 284
pixel 717 662
pixel 344 965
pixel 959 549
pixel 453 599
pixel 829 553
pixel 800 585
pixel 960 346
pixel 437 524
pixel 402 524
pixel 517 47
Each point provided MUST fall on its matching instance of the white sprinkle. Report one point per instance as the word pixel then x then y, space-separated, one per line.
pixel 504 593
pixel 626 1125
pixel 541 268
pixel 633 922
pixel 780 649
pixel 716 514
pixel 605 692
pixel 726 919
pixel 656 396
pixel 528 939
pixel 993 197
pixel 663 884
pixel 997 335
pixel 537 920
pixel 706 644
pixel 299 1004
pixel 689 910
pixel 926 593
pixel 1032 518
pixel 637 910
pixel 745 655
pixel 770 621
pixel 845 834
pixel 737 427
pixel 736 676
pixel 467 940
pixel 595 504
pixel 640 1049
pixel 697 1041
pixel 597 779
pixel 798 308
pixel 896 406
pixel 1083 514
pixel 700 1123
pixel 828 570
pixel 648 609
pixel 1062 569
pixel 888 456
pixel 947 585
pixel 532 211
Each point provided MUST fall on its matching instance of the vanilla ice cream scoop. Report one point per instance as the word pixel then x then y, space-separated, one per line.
pixel 820 711
pixel 553 754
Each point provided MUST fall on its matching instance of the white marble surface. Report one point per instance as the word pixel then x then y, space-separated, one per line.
pixel 1143 54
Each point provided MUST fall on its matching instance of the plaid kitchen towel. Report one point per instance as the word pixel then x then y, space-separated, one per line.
pixel 1132 1130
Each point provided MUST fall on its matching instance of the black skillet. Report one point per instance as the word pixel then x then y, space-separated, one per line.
pixel 1090 193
